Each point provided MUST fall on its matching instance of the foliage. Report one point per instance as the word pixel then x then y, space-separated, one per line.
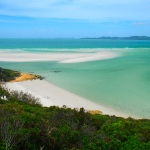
pixel 26 125
pixel 36 127
pixel 10 125
pixel 7 75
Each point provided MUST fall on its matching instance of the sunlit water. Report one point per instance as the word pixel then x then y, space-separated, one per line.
pixel 121 83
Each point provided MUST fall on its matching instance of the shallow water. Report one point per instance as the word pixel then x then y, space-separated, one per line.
pixel 121 83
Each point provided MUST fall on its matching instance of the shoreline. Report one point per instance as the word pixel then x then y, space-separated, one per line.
pixel 50 95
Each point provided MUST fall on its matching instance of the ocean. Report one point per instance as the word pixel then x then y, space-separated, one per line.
pixel 121 83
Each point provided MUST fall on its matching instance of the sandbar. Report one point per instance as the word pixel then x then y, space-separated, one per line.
pixel 61 57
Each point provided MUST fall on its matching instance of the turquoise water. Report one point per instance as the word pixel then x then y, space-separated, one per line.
pixel 70 43
pixel 122 83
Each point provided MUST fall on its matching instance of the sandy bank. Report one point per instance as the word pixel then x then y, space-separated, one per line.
pixel 50 94
pixel 24 77
pixel 62 57
pixel 96 56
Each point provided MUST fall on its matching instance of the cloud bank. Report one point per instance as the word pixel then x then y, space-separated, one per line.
pixel 78 9
pixel 73 18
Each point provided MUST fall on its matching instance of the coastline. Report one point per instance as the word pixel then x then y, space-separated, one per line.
pixel 50 95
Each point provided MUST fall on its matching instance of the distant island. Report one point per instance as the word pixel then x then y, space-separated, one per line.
pixel 120 38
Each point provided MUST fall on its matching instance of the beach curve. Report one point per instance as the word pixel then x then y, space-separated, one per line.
pixel 50 95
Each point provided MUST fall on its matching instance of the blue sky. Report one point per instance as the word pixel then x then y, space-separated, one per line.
pixel 73 18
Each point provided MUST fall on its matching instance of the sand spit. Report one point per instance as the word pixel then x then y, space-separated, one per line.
pixel 65 57
pixel 96 56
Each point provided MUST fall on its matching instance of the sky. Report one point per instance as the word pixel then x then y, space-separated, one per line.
pixel 74 18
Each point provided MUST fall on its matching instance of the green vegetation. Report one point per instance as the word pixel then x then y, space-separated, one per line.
pixel 8 75
pixel 26 125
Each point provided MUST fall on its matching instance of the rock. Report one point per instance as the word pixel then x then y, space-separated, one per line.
pixel 94 112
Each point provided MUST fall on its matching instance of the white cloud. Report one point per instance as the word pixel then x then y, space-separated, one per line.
pixel 141 23
pixel 78 9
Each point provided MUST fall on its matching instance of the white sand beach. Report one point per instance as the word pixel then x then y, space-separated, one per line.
pixel 66 57
pixel 50 95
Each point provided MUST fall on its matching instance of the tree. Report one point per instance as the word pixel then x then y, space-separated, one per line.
pixel 10 127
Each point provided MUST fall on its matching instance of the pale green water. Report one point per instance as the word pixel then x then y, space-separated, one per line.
pixel 122 83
